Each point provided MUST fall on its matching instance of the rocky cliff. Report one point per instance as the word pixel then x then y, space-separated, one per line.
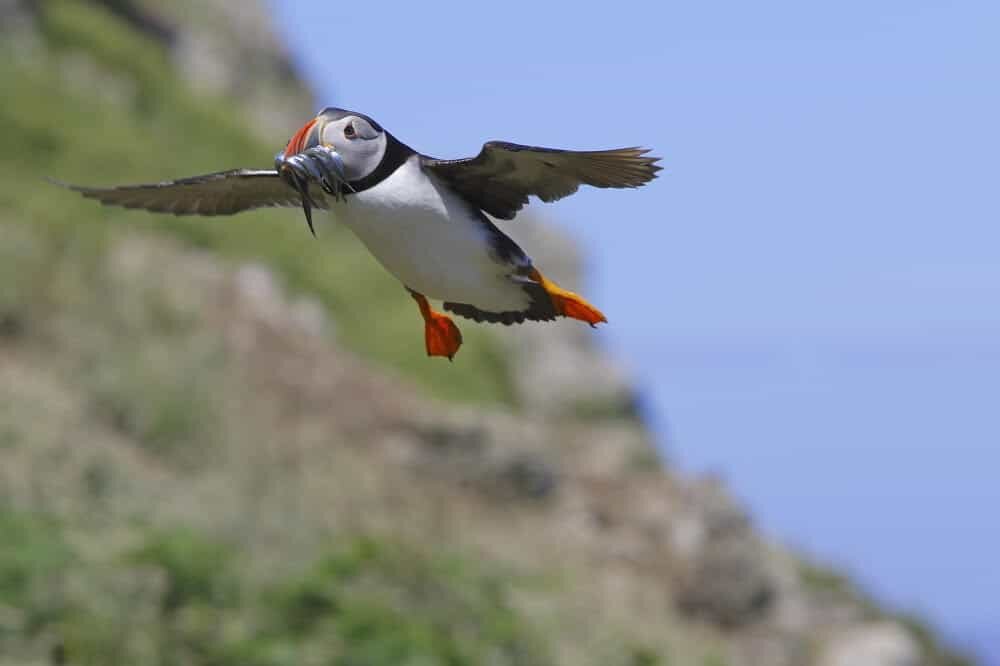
pixel 208 456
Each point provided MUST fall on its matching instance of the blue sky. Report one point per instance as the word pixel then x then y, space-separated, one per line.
pixel 809 292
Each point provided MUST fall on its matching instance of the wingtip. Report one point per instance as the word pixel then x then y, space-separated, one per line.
pixel 641 158
pixel 59 183
pixel 82 189
pixel 650 162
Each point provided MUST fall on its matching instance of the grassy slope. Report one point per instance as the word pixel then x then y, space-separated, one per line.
pixel 179 596
pixel 101 580
pixel 170 495
pixel 106 109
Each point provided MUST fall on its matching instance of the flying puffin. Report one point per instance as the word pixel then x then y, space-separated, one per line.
pixel 423 218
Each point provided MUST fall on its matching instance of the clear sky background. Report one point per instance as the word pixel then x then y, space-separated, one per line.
pixel 810 293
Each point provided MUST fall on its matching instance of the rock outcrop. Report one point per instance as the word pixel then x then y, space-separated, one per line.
pixel 882 644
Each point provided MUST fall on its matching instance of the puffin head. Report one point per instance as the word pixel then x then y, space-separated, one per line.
pixel 360 142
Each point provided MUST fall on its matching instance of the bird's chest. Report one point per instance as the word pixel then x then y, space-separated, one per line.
pixel 420 232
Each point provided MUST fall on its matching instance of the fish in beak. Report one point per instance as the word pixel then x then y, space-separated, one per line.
pixel 306 160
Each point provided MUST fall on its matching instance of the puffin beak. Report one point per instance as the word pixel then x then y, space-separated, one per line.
pixel 301 139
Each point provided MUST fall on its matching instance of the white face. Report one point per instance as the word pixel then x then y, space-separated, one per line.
pixel 360 145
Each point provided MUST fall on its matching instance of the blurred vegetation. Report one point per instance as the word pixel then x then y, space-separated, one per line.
pixel 182 597
pixel 96 103
pixel 91 580
pixel 100 105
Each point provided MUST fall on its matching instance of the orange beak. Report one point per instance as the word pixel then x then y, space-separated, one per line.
pixel 299 140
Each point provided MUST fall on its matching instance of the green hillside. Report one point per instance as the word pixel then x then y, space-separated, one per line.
pixel 93 572
pixel 100 105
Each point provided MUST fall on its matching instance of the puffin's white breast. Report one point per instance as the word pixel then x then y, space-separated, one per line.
pixel 432 240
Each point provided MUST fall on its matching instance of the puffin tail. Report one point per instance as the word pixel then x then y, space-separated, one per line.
pixel 548 302
pixel 568 304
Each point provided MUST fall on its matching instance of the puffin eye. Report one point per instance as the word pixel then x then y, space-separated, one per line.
pixel 349 131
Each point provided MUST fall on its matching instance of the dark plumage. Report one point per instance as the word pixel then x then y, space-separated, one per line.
pixel 220 193
pixel 540 308
pixel 503 175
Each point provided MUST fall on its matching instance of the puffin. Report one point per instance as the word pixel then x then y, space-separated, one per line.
pixel 426 220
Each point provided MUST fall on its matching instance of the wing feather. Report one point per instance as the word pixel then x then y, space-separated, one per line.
pixel 221 193
pixel 504 175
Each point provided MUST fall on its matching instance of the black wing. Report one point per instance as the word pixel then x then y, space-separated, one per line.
pixel 222 193
pixel 501 178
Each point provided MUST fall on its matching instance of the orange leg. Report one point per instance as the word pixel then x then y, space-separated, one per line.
pixel 441 335
pixel 566 303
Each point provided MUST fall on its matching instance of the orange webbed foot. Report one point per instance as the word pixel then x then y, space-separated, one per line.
pixel 568 304
pixel 441 335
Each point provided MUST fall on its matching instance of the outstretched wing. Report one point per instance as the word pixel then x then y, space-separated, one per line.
pixel 222 193
pixel 501 178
